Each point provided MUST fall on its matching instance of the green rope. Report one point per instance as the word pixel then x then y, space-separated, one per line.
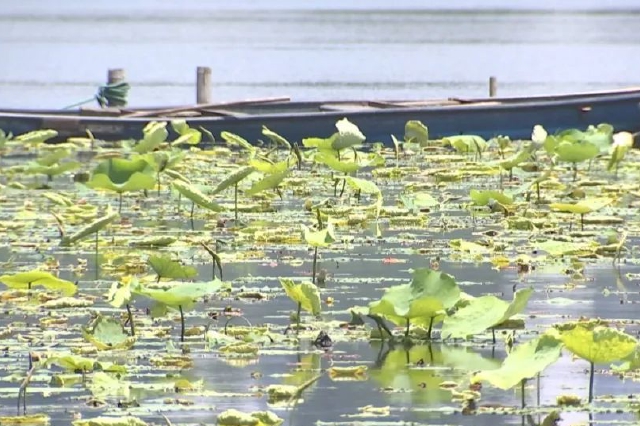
pixel 109 95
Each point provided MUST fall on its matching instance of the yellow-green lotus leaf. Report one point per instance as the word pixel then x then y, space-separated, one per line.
pixel 482 198
pixel 26 420
pixel 196 196
pixel 305 293
pixel 110 421
pixel 524 362
pixel 107 334
pixel 26 280
pixel 596 343
pixel 322 238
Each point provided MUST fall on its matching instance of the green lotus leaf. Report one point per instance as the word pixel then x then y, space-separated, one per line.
pixel 233 179
pixel 415 131
pixel 305 293
pixel 90 229
pixel 26 280
pixel 36 137
pixel 575 152
pixel 594 342
pixel 268 167
pixel 418 200
pixel 275 138
pixel 53 158
pixel 110 421
pixel 103 385
pixel 196 196
pixel 322 144
pixel 120 175
pixel 629 363
pixel 271 181
pixel 482 313
pixel 166 267
pixel 349 135
pixel 427 296
pixel 524 362
pixel 364 186
pixel 71 362
pixel 235 140
pixel 181 294
pixel 107 334
pixel 330 159
pixel 467 143
pixel 234 417
pixel 562 248
pixel 482 198
pixel 58 199
pixel 155 134
pixel 515 160
pixel 187 134
pixel 322 238
pixel 163 160
pixel 120 292
pixel 585 206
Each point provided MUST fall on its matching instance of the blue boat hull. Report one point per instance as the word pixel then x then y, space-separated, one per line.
pixel 514 117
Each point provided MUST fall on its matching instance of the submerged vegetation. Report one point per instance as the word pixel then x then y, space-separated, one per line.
pixel 456 263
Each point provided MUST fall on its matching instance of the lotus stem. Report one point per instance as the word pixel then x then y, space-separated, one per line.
pixel 522 395
pixel 131 324
pixel 582 221
pixel 344 183
pixel 430 328
pixel 315 264
pixel 591 373
pixel 181 323
pixel 235 201
pixel 159 185
pixel 226 324
pixel 493 335
pixel 179 202
pixel 538 191
pixel 575 171
pixel 193 207
pixel 406 332
pixel 298 318
pixel 120 202
pixel 22 392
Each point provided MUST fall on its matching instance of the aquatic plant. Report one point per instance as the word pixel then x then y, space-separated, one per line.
pixel 424 301
pixel 305 294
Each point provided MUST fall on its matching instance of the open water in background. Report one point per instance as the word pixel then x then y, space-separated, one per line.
pixel 57 53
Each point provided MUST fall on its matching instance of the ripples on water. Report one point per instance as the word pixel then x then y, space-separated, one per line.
pixel 54 55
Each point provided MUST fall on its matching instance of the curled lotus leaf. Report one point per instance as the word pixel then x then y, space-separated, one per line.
pixel 594 342
pixel 305 293
pixel 120 175
pixel 26 280
pixel 107 334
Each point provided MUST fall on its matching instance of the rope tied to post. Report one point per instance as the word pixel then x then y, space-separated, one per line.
pixel 109 95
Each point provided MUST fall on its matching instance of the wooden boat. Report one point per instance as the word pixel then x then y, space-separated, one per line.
pixel 486 117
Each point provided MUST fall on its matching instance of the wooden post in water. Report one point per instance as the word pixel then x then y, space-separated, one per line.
pixel 115 75
pixel 493 87
pixel 203 85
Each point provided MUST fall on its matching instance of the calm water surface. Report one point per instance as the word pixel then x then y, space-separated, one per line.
pixel 55 54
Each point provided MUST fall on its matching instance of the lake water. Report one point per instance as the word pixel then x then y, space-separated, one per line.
pixel 56 54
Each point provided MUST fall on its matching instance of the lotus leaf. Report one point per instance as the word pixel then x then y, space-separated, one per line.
pixel 622 142
pixel 110 421
pixel 235 140
pixel 322 238
pixel 269 167
pixel 585 206
pixel 271 181
pixel 182 294
pixel 187 134
pixel 482 313
pixel 524 362
pixel 27 420
pixel 331 160
pixel 36 137
pixel 196 196
pixel 306 294
pixel 348 135
pixel 482 198
pixel 234 417
pixel 275 138
pixel 104 385
pixel 467 143
pixel 428 295
pixel 90 229
pixel 107 334
pixel 155 133
pixel 415 131
pixel 165 267
pixel 575 152
pixel 594 342
pixel 25 280
pixel 120 175
pixel 515 160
